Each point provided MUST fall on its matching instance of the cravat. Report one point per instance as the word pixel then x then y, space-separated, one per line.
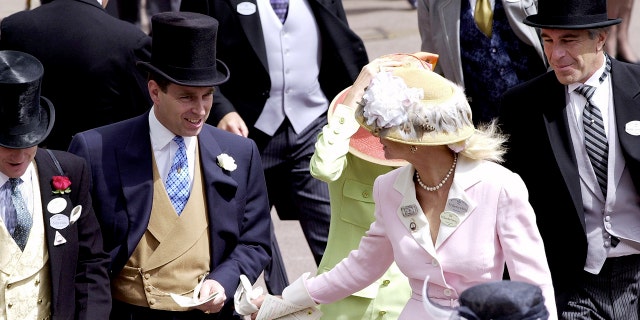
pixel 484 16
pixel 178 177
pixel 17 208
pixel 280 7
pixel 595 139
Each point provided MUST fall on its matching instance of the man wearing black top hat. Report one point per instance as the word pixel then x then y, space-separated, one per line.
pixel 52 265
pixel 183 205
pixel 575 141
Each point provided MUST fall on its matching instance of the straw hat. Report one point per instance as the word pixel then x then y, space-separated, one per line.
pixel 363 144
pixel 415 106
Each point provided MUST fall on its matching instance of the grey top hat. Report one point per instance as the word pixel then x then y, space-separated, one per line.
pixel 184 49
pixel 26 119
pixel 571 14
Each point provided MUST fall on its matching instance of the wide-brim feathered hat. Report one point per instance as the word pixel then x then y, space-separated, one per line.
pixel 183 49
pixel 415 106
pixel 26 118
pixel 363 144
pixel 571 14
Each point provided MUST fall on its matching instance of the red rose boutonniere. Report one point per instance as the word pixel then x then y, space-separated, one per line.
pixel 61 184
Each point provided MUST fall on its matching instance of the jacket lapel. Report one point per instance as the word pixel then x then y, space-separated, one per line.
pixel 135 161
pixel 252 27
pixel 557 126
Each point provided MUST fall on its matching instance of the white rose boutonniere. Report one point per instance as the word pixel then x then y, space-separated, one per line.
pixel 226 162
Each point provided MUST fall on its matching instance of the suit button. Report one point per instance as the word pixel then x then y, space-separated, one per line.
pixel 447 292
pixel 147 276
pixel 10 305
pixel 147 288
pixel 152 301
pixel 9 286
pixel 386 282
pixel 382 313
pixel 365 194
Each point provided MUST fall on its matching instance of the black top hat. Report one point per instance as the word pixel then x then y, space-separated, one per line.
pixel 184 49
pixel 25 118
pixel 571 14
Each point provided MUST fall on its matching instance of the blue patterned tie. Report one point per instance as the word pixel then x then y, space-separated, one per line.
pixel 178 177
pixel 280 7
pixel 18 215
pixel 595 139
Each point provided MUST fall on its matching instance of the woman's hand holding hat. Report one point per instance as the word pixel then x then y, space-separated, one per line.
pixel 385 63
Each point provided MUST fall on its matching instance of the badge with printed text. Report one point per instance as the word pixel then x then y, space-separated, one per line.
pixel 59 221
pixel 457 205
pixel 449 219
pixel 408 211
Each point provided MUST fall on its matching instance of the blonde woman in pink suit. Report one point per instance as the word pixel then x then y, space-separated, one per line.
pixel 349 158
pixel 453 214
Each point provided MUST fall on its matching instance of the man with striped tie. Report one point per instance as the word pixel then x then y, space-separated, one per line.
pixel 575 140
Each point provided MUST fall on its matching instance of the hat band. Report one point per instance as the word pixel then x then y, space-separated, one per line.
pixel 574 20
pixel 190 74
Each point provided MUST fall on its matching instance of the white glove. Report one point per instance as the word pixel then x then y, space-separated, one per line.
pixel 243 296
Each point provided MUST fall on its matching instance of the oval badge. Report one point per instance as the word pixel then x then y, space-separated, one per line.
pixel 56 205
pixel 59 221
pixel 449 219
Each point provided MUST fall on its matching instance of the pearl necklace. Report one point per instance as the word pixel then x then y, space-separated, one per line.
pixel 444 180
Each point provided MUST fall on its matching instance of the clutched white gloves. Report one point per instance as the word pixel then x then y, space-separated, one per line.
pixel 243 296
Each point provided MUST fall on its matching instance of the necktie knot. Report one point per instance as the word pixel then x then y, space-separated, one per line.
pixel 586 91
pixel 280 7
pixel 483 15
pixel 15 182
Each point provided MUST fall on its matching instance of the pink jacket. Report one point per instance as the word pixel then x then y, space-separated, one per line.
pixel 487 222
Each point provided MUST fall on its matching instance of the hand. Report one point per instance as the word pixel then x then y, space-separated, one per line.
pixel 209 287
pixel 258 302
pixel 430 58
pixel 233 123
pixel 386 63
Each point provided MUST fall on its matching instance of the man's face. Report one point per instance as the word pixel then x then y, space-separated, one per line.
pixel 573 54
pixel 14 162
pixel 181 109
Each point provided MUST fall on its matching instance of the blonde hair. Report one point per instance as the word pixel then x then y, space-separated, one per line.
pixel 487 143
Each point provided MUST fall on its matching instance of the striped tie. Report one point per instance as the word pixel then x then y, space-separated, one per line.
pixel 595 138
